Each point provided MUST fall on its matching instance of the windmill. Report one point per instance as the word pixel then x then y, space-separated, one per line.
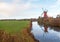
pixel 44 13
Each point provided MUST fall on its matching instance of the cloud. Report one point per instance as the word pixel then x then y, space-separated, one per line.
pixel 33 0
pixel 54 9
pixel 6 9
pixel 18 8
pixel 11 9
pixel 57 3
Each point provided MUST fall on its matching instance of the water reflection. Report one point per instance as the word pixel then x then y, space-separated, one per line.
pixel 45 28
pixel 55 28
pixel 45 33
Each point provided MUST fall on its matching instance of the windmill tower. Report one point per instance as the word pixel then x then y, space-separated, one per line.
pixel 45 14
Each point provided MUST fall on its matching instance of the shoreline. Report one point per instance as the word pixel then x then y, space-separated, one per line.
pixel 28 31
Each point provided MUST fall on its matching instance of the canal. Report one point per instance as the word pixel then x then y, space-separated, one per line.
pixel 51 34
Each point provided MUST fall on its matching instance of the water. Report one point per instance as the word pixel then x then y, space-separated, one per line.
pixel 51 35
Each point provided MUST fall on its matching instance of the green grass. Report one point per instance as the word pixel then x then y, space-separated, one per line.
pixel 13 26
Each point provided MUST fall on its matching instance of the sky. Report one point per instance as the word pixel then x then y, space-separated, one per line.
pixel 18 9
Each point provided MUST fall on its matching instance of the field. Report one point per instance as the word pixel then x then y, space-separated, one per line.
pixel 13 26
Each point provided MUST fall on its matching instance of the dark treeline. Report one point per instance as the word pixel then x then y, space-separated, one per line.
pixel 32 19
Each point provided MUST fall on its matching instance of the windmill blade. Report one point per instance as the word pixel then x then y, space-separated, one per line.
pixel 41 14
pixel 42 9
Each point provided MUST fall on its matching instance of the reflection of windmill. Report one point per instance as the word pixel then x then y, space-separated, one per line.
pixel 45 32
pixel 45 28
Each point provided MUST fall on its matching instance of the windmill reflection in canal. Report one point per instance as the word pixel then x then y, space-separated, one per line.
pixel 45 28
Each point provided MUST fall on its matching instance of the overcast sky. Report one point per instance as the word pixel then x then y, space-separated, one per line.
pixel 28 8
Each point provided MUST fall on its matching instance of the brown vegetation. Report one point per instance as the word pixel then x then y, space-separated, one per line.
pixel 50 21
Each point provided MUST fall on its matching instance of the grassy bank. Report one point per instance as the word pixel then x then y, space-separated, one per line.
pixel 13 26
pixel 16 31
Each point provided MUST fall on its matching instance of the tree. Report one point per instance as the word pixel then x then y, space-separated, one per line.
pixel 58 16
